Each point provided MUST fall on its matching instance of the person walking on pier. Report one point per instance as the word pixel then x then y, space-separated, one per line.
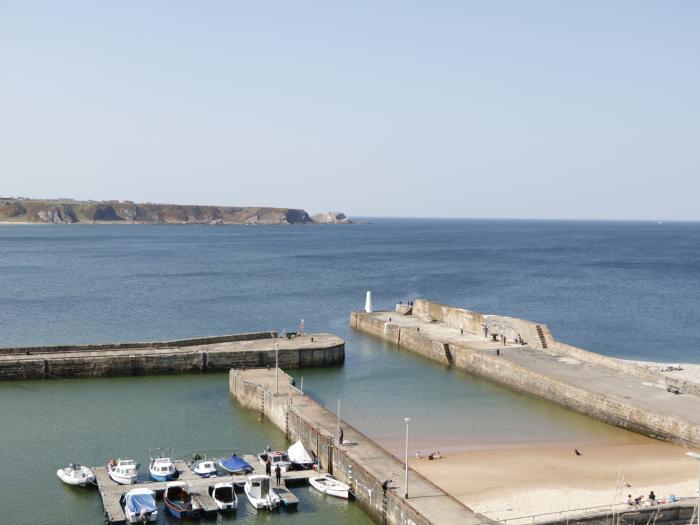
pixel 278 474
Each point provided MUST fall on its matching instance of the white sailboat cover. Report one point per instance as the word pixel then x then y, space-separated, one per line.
pixel 298 454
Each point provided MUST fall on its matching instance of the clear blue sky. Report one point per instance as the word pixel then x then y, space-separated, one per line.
pixel 559 109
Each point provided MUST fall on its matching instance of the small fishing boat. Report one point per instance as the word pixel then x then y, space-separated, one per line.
pixel 76 474
pixel 259 491
pixel 331 486
pixel 140 506
pixel 300 457
pixel 179 501
pixel 277 458
pixel 123 471
pixel 204 468
pixel 235 465
pixel 160 466
pixel 224 496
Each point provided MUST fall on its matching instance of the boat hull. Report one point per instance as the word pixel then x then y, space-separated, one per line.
pixel 340 491
pixel 76 482
pixel 266 504
pixel 159 477
pixel 176 512
pixel 122 480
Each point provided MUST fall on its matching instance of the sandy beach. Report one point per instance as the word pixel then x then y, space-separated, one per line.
pixel 505 480
pixel 520 481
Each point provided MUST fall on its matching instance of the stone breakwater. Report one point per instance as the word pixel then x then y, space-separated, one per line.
pixel 374 475
pixel 617 392
pixel 207 354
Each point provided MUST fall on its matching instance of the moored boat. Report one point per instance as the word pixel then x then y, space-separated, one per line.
pixel 299 456
pixel 162 469
pixel 179 501
pixel 123 471
pixel 204 468
pixel 140 506
pixel 76 474
pixel 331 486
pixel 277 458
pixel 235 465
pixel 259 491
pixel 224 496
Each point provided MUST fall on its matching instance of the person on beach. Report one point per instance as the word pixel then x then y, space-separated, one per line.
pixel 577 453
pixel 418 456
pixel 652 498
pixel 278 474
pixel 437 455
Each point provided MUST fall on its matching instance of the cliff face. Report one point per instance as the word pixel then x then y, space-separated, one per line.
pixel 69 212
pixel 332 217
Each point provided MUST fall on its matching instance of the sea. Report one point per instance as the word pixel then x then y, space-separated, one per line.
pixel 624 289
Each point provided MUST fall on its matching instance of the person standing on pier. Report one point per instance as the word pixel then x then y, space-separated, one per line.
pixel 340 436
pixel 268 466
pixel 278 474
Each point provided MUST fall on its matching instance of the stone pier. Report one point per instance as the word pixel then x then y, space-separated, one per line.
pixel 375 476
pixel 598 386
pixel 207 354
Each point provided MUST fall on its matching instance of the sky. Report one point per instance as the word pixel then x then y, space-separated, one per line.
pixel 491 109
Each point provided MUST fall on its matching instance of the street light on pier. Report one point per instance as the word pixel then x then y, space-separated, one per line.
pixel 407 420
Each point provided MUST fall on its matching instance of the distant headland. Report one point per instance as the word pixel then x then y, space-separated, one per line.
pixel 69 211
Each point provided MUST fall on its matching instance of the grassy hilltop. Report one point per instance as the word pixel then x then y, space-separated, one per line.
pixel 66 211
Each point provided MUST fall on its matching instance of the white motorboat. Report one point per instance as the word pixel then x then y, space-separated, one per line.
pixel 76 474
pixel 259 491
pixel 162 469
pixel 224 496
pixel 299 456
pixel 205 468
pixel 140 506
pixel 123 471
pixel 331 486
pixel 277 458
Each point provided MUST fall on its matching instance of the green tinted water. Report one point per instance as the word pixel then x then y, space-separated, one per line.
pixel 48 424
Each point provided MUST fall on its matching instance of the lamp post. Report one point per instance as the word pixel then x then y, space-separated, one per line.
pixel 277 367
pixel 695 455
pixel 407 420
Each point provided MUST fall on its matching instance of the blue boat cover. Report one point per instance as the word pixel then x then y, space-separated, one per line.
pixel 142 503
pixel 236 464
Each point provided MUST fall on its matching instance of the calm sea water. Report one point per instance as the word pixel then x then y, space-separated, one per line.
pixel 623 289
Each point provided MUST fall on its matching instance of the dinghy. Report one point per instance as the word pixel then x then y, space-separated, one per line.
pixel 277 458
pixel 235 465
pixel 204 468
pixel 224 496
pixel 180 503
pixel 123 471
pixel 75 474
pixel 259 491
pixel 300 457
pixel 140 506
pixel 331 486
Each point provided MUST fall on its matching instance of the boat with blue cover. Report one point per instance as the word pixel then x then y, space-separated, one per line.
pixel 236 465
pixel 140 506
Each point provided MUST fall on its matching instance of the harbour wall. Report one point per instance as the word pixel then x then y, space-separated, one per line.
pixel 664 425
pixel 366 471
pixel 213 354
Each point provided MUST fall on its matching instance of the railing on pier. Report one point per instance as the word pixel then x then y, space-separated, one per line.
pixel 614 509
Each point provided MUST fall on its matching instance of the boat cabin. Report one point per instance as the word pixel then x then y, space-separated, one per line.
pixel 259 486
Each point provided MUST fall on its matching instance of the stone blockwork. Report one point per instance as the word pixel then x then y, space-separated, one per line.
pixel 172 357
pixel 614 391
pixel 361 463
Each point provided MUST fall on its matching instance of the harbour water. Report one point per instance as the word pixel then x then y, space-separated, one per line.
pixel 623 289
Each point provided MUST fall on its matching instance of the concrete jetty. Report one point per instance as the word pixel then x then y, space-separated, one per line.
pixel 111 492
pixel 375 476
pixel 207 354
pixel 608 389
